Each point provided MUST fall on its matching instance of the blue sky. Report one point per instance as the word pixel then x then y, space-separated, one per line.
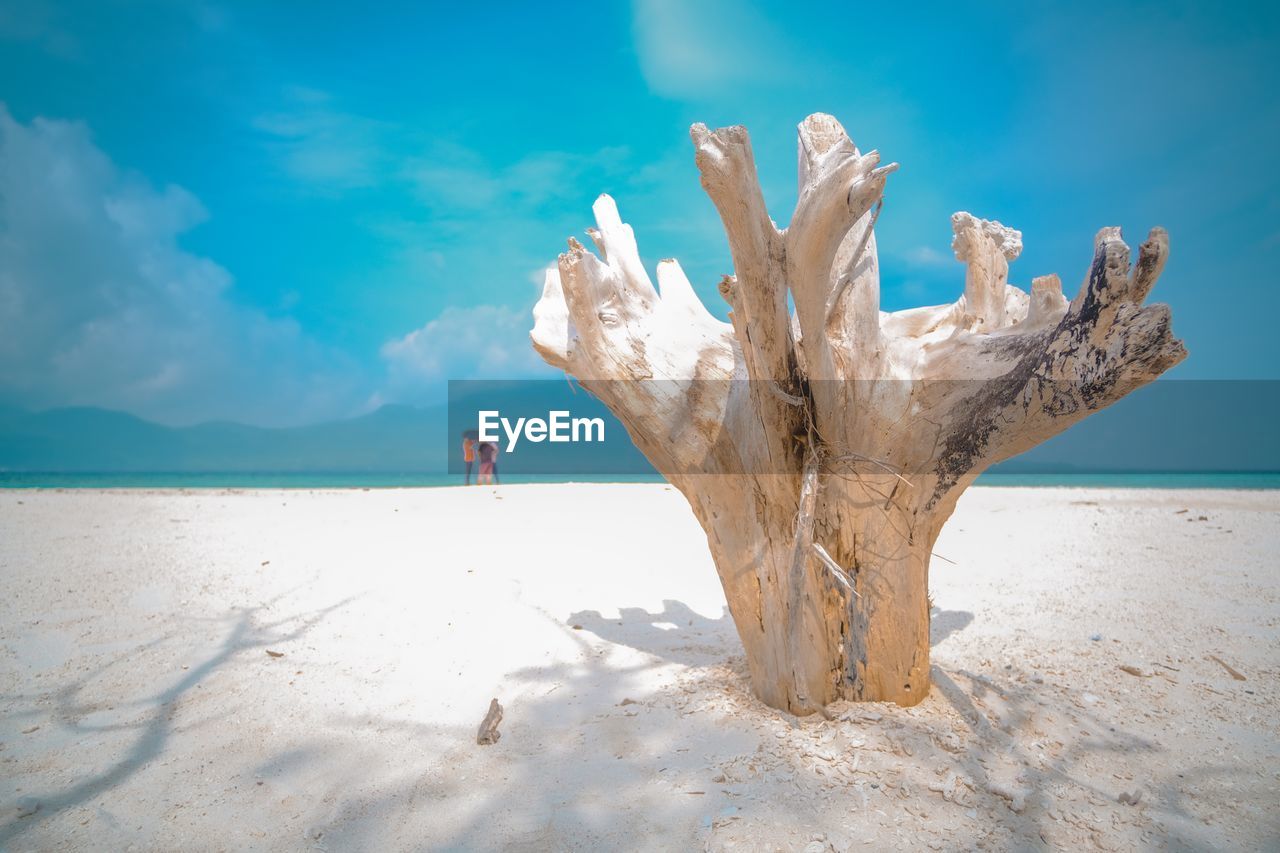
pixel 286 212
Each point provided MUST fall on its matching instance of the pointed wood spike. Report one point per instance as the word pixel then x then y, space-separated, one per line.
pixel 1152 255
pixel 818 136
pixel 986 247
pixel 1108 280
pixel 674 286
pixel 1047 302
pixel 552 333
pixel 619 247
pixel 598 241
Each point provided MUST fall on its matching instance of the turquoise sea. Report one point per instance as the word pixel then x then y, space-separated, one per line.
pixel 346 480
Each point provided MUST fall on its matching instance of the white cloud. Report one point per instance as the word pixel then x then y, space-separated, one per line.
pixel 484 342
pixel 454 178
pixel 322 146
pixel 927 256
pixel 703 49
pixel 99 305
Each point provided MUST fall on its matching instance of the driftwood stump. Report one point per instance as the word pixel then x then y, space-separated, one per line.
pixel 822 449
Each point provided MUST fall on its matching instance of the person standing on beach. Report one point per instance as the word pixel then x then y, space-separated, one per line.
pixel 468 455
pixel 488 453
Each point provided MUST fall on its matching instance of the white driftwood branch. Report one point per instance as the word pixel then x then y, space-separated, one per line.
pixel 601 319
pixel 728 168
pixel 838 186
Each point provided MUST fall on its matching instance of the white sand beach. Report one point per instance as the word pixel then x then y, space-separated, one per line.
pixel 292 670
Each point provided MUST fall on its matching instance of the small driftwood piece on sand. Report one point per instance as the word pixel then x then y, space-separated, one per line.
pixel 489 733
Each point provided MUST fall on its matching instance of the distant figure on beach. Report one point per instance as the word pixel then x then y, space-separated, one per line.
pixel 488 457
pixel 468 454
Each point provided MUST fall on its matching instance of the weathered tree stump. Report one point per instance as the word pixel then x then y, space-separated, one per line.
pixel 822 450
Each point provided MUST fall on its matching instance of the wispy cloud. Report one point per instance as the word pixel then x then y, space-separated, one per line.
pixel 322 146
pixel 927 256
pixel 456 178
pixel 483 342
pixel 703 49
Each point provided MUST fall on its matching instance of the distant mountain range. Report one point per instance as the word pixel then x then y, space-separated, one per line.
pixel 391 439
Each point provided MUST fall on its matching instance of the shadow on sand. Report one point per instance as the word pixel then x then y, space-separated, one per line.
pixel 679 634
pixel 244 630
pixel 571 761
pixel 595 756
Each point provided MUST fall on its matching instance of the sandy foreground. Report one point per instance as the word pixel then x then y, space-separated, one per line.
pixel 294 670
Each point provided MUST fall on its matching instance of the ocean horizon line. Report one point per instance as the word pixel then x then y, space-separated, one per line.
pixel 416 479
